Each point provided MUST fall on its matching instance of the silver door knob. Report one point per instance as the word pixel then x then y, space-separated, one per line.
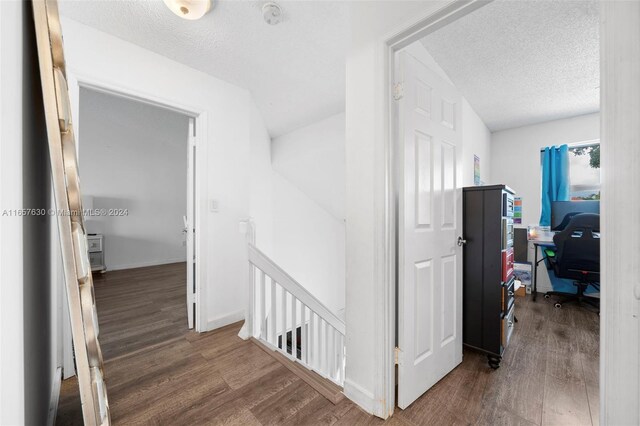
pixel 461 241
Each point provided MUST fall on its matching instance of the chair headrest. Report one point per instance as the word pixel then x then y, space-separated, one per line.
pixel 584 221
pixel 584 224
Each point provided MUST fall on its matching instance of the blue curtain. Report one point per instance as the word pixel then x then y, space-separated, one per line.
pixel 555 179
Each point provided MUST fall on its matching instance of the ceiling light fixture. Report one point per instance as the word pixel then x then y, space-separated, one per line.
pixel 189 9
pixel 272 13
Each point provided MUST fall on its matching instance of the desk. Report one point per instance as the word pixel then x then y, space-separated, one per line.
pixel 539 243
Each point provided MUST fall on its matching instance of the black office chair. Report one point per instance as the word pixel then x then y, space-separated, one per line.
pixel 577 257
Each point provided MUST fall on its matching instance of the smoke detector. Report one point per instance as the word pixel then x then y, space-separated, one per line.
pixel 272 13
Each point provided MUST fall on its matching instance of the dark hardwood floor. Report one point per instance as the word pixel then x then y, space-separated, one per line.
pixel 158 372
pixel 140 307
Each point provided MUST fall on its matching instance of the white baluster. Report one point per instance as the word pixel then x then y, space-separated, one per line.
pixel 284 321
pixel 303 334
pixel 272 317
pixel 312 340
pixel 325 348
pixel 340 357
pixel 250 319
pixel 331 343
pixel 263 307
pixel 294 327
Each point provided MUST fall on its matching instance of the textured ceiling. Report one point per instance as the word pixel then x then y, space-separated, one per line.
pixel 523 62
pixel 295 70
pixel 517 62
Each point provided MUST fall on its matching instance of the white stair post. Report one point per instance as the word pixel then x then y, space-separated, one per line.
pixel 247 227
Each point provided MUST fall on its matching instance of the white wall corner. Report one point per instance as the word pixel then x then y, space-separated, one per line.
pixel 362 397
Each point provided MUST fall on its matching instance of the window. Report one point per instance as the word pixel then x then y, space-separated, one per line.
pixel 584 172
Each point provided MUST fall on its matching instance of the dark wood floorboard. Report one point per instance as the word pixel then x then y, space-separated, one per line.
pixel 160 373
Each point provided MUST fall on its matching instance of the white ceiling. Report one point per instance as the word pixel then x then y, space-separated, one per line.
pixel 523 62
pixel 516 62
pixel 295 70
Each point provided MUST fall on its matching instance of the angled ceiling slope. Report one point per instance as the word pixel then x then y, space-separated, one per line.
pixel 295 70
pixel 523 62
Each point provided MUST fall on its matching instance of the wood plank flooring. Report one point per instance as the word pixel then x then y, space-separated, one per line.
pixel 160 373
pixel 140 307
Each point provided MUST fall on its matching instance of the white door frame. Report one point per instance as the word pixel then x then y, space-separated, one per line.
pixel 620 40
pixel 190 225
pixel 76 81
pixel 386 215
pixel 619 209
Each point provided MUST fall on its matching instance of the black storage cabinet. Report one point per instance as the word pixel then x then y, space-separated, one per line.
pixel 488 300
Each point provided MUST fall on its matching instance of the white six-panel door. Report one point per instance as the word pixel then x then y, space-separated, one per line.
pixel 430 219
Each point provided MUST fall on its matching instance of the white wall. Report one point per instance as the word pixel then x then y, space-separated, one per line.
pixel 309 207
pixel 261 199
pixel 222 159
pixel 476 139
pixel 365 382
pixel 134 156
pixel 312 158
pixel 292 227
pixel 309 243
pixel 515 155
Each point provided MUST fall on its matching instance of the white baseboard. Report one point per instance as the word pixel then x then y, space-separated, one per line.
pixel 55 396
pixel 223 320
pixel 360 396
pixel 145 264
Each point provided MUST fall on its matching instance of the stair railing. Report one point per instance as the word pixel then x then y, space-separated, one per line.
pixel 285 317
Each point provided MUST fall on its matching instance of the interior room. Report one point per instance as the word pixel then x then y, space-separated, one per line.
pixel 134 155
pixel 519 103
pixel 134 158
pixel 319 212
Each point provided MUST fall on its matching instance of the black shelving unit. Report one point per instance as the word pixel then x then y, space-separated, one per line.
pixel 488 293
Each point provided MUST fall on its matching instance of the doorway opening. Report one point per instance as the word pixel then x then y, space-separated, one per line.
pixel 138 180
pixel 474 112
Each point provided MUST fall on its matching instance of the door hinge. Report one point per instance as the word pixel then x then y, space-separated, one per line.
pixel 396 355
pixel 398 91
